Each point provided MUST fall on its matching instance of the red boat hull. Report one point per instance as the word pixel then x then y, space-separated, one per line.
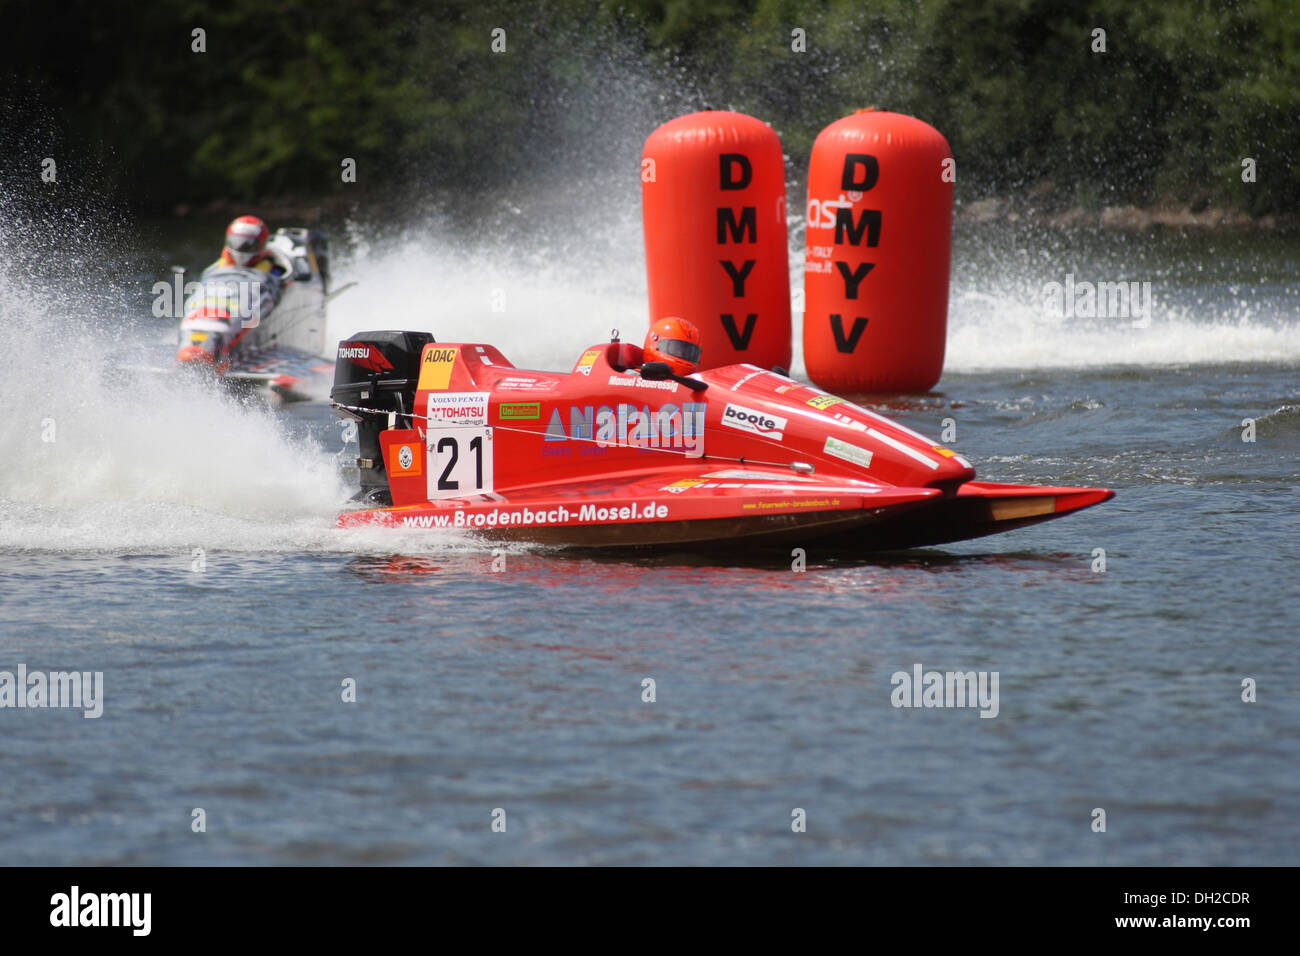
pixel 601 457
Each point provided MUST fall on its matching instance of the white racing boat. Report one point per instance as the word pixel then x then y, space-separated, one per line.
pixel 254 329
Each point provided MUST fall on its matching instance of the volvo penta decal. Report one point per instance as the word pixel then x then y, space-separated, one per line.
pixel 459 408
pixel 754 422
pixel 629 426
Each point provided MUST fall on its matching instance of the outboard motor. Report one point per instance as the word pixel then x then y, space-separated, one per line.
pixel 375 377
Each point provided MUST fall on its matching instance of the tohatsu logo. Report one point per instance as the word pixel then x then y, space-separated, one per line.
pixel 367 356
pixel 756 423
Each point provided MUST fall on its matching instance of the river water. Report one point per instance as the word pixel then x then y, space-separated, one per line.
pixel 184 546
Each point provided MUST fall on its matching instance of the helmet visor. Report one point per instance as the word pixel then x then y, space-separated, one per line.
pixel 238 243
pixel 677 348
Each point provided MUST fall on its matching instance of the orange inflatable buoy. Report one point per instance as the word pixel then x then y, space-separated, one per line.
pixel 713 208
pixel 879 244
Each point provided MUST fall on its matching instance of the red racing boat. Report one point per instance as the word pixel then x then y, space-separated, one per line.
pixel 619 454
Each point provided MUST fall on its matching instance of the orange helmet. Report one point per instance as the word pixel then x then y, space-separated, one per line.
pixel 246 240
pixel 674 342
pixel 195 356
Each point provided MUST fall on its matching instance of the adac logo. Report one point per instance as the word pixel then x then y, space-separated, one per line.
pixel 587 361
pixel 435 371
pixel 440 355
pixel 365 355
pixel 754 422
pixel 823 402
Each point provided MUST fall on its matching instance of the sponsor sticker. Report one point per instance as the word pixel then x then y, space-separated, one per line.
pixel 682 485
pixel 787 503
pixel 823 402
pixel 689 484
pixel 850 421
pixel 407 460
pixel 630 426
pixel 587 361
pixel 561 514
pixel 736 473
pixel 755 422
pixel 519 411
pixel 458 408
pixel 946 452
pixel 435 370
pixel 746 378
pixel 521 383
pixel 846 452
pixel 639 382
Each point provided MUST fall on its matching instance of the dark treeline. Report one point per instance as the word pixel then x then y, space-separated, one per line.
pixel 414 93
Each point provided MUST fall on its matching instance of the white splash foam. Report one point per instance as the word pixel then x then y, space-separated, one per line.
pixel 556 303
pixel 1000 331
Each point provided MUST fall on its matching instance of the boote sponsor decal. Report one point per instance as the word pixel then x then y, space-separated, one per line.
pixel 756 423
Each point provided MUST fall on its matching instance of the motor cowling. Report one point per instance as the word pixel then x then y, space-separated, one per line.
pixel 375 377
